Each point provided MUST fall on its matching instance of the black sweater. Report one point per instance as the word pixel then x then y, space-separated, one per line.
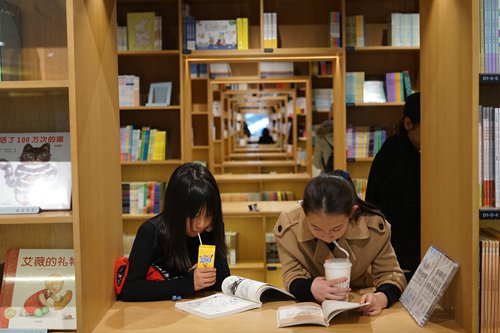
pixel 394 186
pixel 144 253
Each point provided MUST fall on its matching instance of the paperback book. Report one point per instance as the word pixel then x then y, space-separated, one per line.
pixel 38 289
pixel 238 294
pixel 35 170
pixel 313 313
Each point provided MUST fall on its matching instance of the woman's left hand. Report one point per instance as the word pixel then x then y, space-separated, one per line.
pixel 378 302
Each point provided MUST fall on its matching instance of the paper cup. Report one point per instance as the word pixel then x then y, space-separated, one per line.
pixel 336 268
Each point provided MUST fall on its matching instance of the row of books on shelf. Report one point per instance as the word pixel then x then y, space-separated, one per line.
pixel 404 30
pixel 321 68
pixel 360 186
pixel 144 144
pixel 395 87
pixel 38 290
pixel 198 70
pixel 489 156
pixel 364 141
pixel 489 272
pixel 142 197
pixel 142 33
pixel 489 30
pixel 258 196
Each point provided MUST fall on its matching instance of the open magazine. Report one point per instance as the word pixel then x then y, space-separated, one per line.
pixel 313 313
pixel 238 295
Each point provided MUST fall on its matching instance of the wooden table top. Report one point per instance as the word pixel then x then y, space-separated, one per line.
pixel 164 317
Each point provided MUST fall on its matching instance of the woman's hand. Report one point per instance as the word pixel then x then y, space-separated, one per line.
pixel 323 289
pixel 378 302
pixel 204 277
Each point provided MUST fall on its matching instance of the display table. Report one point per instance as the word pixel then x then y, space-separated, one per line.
pixel 164 317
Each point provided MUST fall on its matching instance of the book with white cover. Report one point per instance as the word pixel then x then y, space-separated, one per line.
pixel 428 284
pixel 35 170
pixel 238 294
pixel 313 313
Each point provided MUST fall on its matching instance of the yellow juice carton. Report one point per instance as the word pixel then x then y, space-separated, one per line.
pixel 206 256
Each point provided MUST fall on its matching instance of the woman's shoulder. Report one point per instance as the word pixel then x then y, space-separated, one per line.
pixel 150 225
pixel 288 219
pixel 375 223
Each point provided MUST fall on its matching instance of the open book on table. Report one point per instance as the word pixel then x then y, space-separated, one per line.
pixel 313 313
pixel 238 295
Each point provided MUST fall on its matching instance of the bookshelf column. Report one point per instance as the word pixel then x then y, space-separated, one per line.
pixel 449 86
pixel 94 127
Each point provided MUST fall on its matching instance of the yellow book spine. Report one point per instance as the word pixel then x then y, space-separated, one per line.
pixel 245 33
pixel 239 33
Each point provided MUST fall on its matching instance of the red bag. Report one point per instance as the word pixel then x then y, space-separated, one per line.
pixel 154 273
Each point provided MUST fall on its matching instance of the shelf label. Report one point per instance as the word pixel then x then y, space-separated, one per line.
pixel 350 49
pixel 186 51
pixel 489 214
pixel 268 50
pixel 489 78
pixel 350 104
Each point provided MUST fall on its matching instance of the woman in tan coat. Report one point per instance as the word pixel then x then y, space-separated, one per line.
pixel 330 213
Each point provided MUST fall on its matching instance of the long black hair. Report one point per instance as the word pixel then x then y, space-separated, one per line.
pixel 190 190
pixel 334 193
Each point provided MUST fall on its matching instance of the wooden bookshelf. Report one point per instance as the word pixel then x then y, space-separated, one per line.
pixel 448 84
pixel 64 86
pixel 376 59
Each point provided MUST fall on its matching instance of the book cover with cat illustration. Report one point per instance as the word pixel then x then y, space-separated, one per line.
pixel 35 170
pixel 38 289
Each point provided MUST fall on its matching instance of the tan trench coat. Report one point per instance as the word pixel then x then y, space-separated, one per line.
pixel 367 241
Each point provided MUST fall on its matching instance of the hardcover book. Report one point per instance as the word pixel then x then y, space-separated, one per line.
pixel 216 34
pixel 38 289
pixel 238 295
pixel 35 170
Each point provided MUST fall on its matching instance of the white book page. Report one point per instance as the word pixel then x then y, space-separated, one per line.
pixel 332 308
pixel 243 288
pixel 300 313
pixel 216 306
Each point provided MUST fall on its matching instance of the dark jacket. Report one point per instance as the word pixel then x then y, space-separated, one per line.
pixel 394 186
pixel 145 253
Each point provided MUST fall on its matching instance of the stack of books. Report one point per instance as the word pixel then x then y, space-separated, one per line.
pixel 142 197
pixel 144 144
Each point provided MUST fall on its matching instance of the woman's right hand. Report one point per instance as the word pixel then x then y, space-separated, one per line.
pixel 323 289
pixel 204 277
